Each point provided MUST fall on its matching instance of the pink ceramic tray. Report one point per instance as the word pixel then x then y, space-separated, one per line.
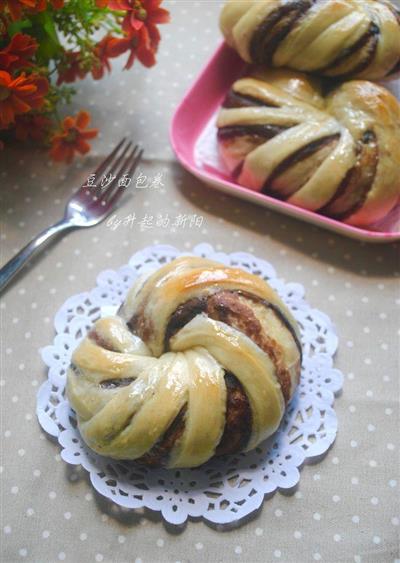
pixel 193 137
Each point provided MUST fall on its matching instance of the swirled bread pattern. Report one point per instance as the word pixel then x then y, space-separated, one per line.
pixel 337 154
pixel 200 361
pixel 336 38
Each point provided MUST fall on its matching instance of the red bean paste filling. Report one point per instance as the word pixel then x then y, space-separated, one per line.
pixel 100 341
pixel 116 383
pixel 159 453
pixel 367 44
pixel 235 100
pixel 107 383
pixel 355 186
pixel 258 133
pixel 275 27
pixel 296 157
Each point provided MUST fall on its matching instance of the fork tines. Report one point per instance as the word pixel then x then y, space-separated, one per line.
pixel 123 160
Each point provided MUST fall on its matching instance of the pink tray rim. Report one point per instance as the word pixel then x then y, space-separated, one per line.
pixel 231 187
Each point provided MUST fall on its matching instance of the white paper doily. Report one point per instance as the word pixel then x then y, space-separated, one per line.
pixel 226 489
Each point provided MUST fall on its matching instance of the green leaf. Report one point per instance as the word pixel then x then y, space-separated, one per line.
pixel 18 26
pixel 46 34
pixel 50 28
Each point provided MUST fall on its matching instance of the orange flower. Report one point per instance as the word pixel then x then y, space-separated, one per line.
pixel 16 55
pixel 108 48
pixel 140 27
pixel 72 138
pixel 20 95
pixel 16 7
pixel 142 45
pixel 140 13
pixel 33 126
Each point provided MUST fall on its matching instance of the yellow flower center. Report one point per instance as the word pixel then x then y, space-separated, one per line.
pixel 142 14
pixel 140 11
pixel 71 135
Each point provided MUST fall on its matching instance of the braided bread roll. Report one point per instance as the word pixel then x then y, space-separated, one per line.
pixel 200 361
pixel 338 155
pixel 336 38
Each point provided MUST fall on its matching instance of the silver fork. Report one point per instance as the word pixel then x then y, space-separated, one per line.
pixel 86 208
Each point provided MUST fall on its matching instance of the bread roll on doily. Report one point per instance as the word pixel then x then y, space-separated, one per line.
pixel 200 361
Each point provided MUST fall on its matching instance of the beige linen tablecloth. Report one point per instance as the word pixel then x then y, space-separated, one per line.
pixel 346 507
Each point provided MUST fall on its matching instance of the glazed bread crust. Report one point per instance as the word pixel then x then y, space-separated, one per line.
pixel 341 39
pixel 200 361
pixel 338 155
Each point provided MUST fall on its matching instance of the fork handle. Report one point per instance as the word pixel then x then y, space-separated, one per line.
pixel 9 270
